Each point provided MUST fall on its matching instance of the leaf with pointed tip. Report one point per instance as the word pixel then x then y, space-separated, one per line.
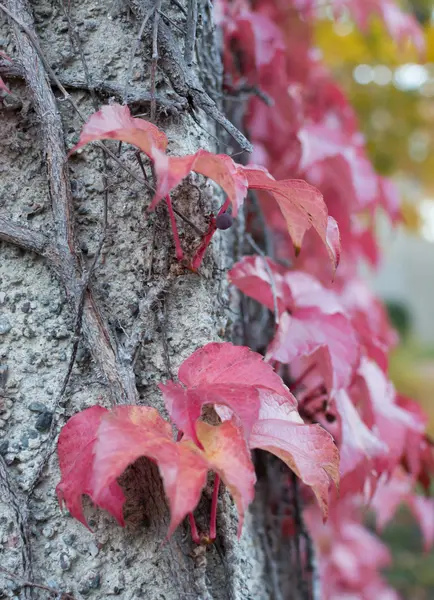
pixel 253 279
pixel 115 122
pixel 302 206
pixel 129 432
pixel 308 450
pixel 378 397
pixel 317 318
pixel 228 455
pixel 75 449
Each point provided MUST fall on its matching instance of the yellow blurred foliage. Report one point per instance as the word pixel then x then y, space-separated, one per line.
pixel 398 125
pixel 412 219
pixel 371 47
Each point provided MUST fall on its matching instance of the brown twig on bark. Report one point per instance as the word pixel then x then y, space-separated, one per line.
pixel 25 238
pixel 104 348
pixel 183 80
pixel 31 584
pixel 170 21
pixel 134 96
pixel 19 511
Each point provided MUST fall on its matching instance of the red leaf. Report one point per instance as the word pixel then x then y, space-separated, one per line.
pixel 228 455
pixel 370 320
pixel 237 381
pixel 4 87
pixel 319 141
pixel 308 331
pixel 115 122
pixel 317 318
pixel 358 443
pixel 171 170
pixel 129 432
pixel 302 206
pixel 253 279
pixel 308 450
pixel 392 421
pixel 221 374
pixel 75 450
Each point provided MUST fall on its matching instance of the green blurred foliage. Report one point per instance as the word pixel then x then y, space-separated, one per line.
pixel 412 572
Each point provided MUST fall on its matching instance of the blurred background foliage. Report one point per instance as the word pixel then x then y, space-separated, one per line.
pixel 392 91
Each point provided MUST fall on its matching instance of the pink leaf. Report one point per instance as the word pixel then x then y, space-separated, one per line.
pixel 221 374
pixel 225 363
pixel 252 278
pixel 171 170
pixel 308 330
pixel 319 142
pixel 129 432
pixel 301 204
pixel 308 450
pixel 317 318
pixel 115 122
pixel 358 443
pixel 75 451
pixel 379 400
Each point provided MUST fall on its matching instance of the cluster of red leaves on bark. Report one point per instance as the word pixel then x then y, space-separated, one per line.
pixel 301 205
pixel 332 333
pixel 256 410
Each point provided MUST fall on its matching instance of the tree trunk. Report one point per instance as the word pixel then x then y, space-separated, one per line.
pixel 96 312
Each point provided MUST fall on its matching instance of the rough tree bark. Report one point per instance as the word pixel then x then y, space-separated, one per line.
pixel 93 306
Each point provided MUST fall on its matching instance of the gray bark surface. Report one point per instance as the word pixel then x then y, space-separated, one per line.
pixel 94 314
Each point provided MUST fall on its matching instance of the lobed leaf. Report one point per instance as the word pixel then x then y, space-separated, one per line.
pixel 308 450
